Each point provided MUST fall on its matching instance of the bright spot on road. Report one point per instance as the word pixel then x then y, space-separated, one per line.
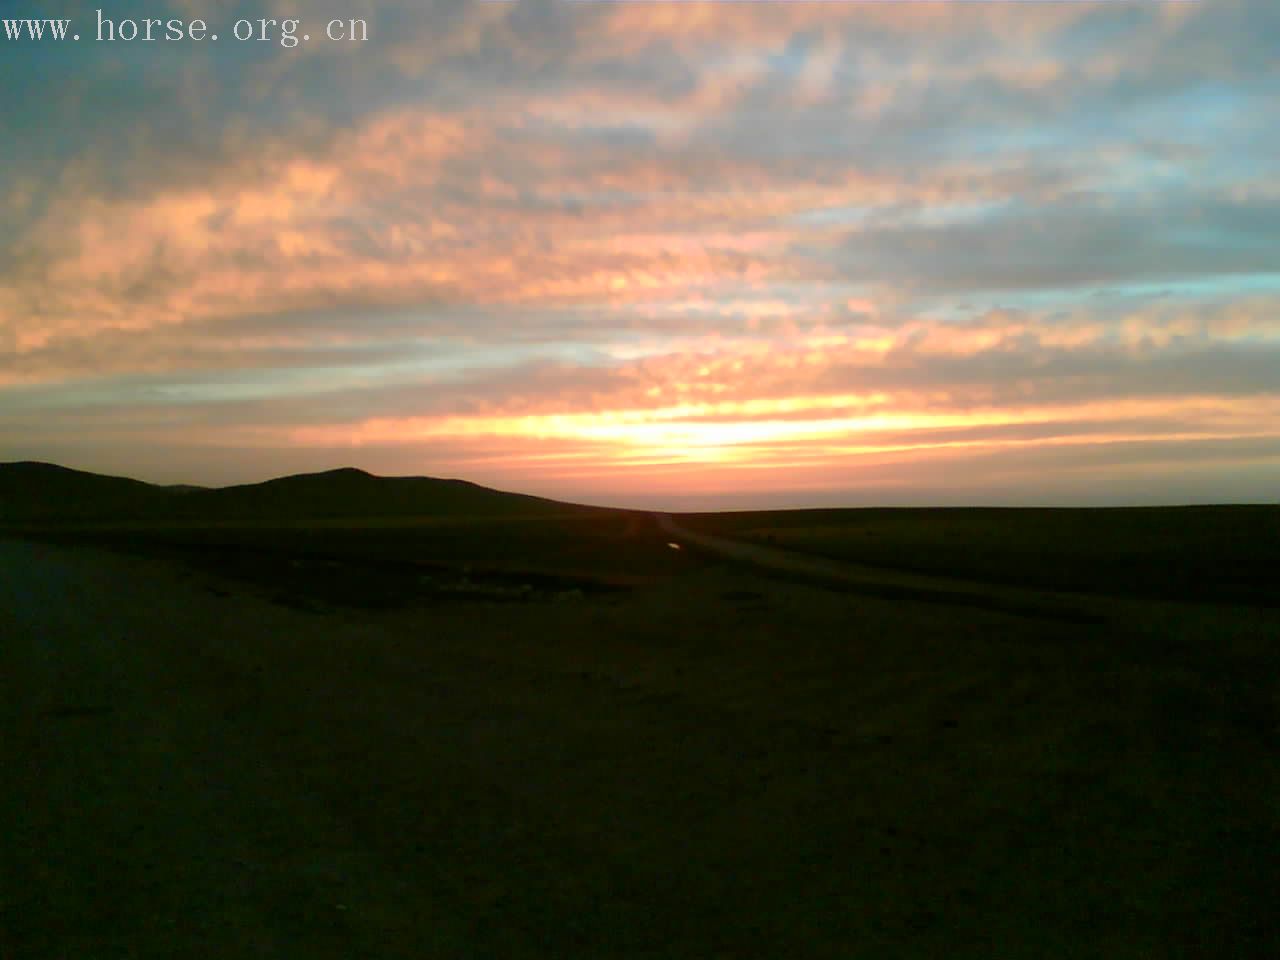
pixel 675 546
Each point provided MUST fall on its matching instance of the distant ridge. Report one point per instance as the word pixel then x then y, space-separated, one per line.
pixel 349 492
pixel 32 492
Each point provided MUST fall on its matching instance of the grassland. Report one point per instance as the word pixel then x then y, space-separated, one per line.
pixel 1214 553
pixel 302 740
pixel 375 563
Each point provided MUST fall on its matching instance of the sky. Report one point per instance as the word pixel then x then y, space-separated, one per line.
pixel 654 254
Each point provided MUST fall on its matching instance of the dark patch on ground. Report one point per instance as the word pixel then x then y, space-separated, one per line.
pixel 311 581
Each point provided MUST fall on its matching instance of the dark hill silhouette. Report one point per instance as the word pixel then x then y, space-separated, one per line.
pixel 349 492
pixel 39 492
pixel 47 493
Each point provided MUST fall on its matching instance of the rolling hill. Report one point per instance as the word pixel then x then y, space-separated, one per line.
pixel 42 493
pixel 32 492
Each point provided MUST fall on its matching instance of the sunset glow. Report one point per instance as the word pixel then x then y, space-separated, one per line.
pixel 659 254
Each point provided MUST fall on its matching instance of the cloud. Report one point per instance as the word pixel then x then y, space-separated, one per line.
pixel 630 235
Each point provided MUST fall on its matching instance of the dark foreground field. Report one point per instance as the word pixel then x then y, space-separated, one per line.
pixel 385 742
pixel 1209 553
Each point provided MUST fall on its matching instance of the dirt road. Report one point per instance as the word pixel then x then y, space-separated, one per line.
pixel 894 584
